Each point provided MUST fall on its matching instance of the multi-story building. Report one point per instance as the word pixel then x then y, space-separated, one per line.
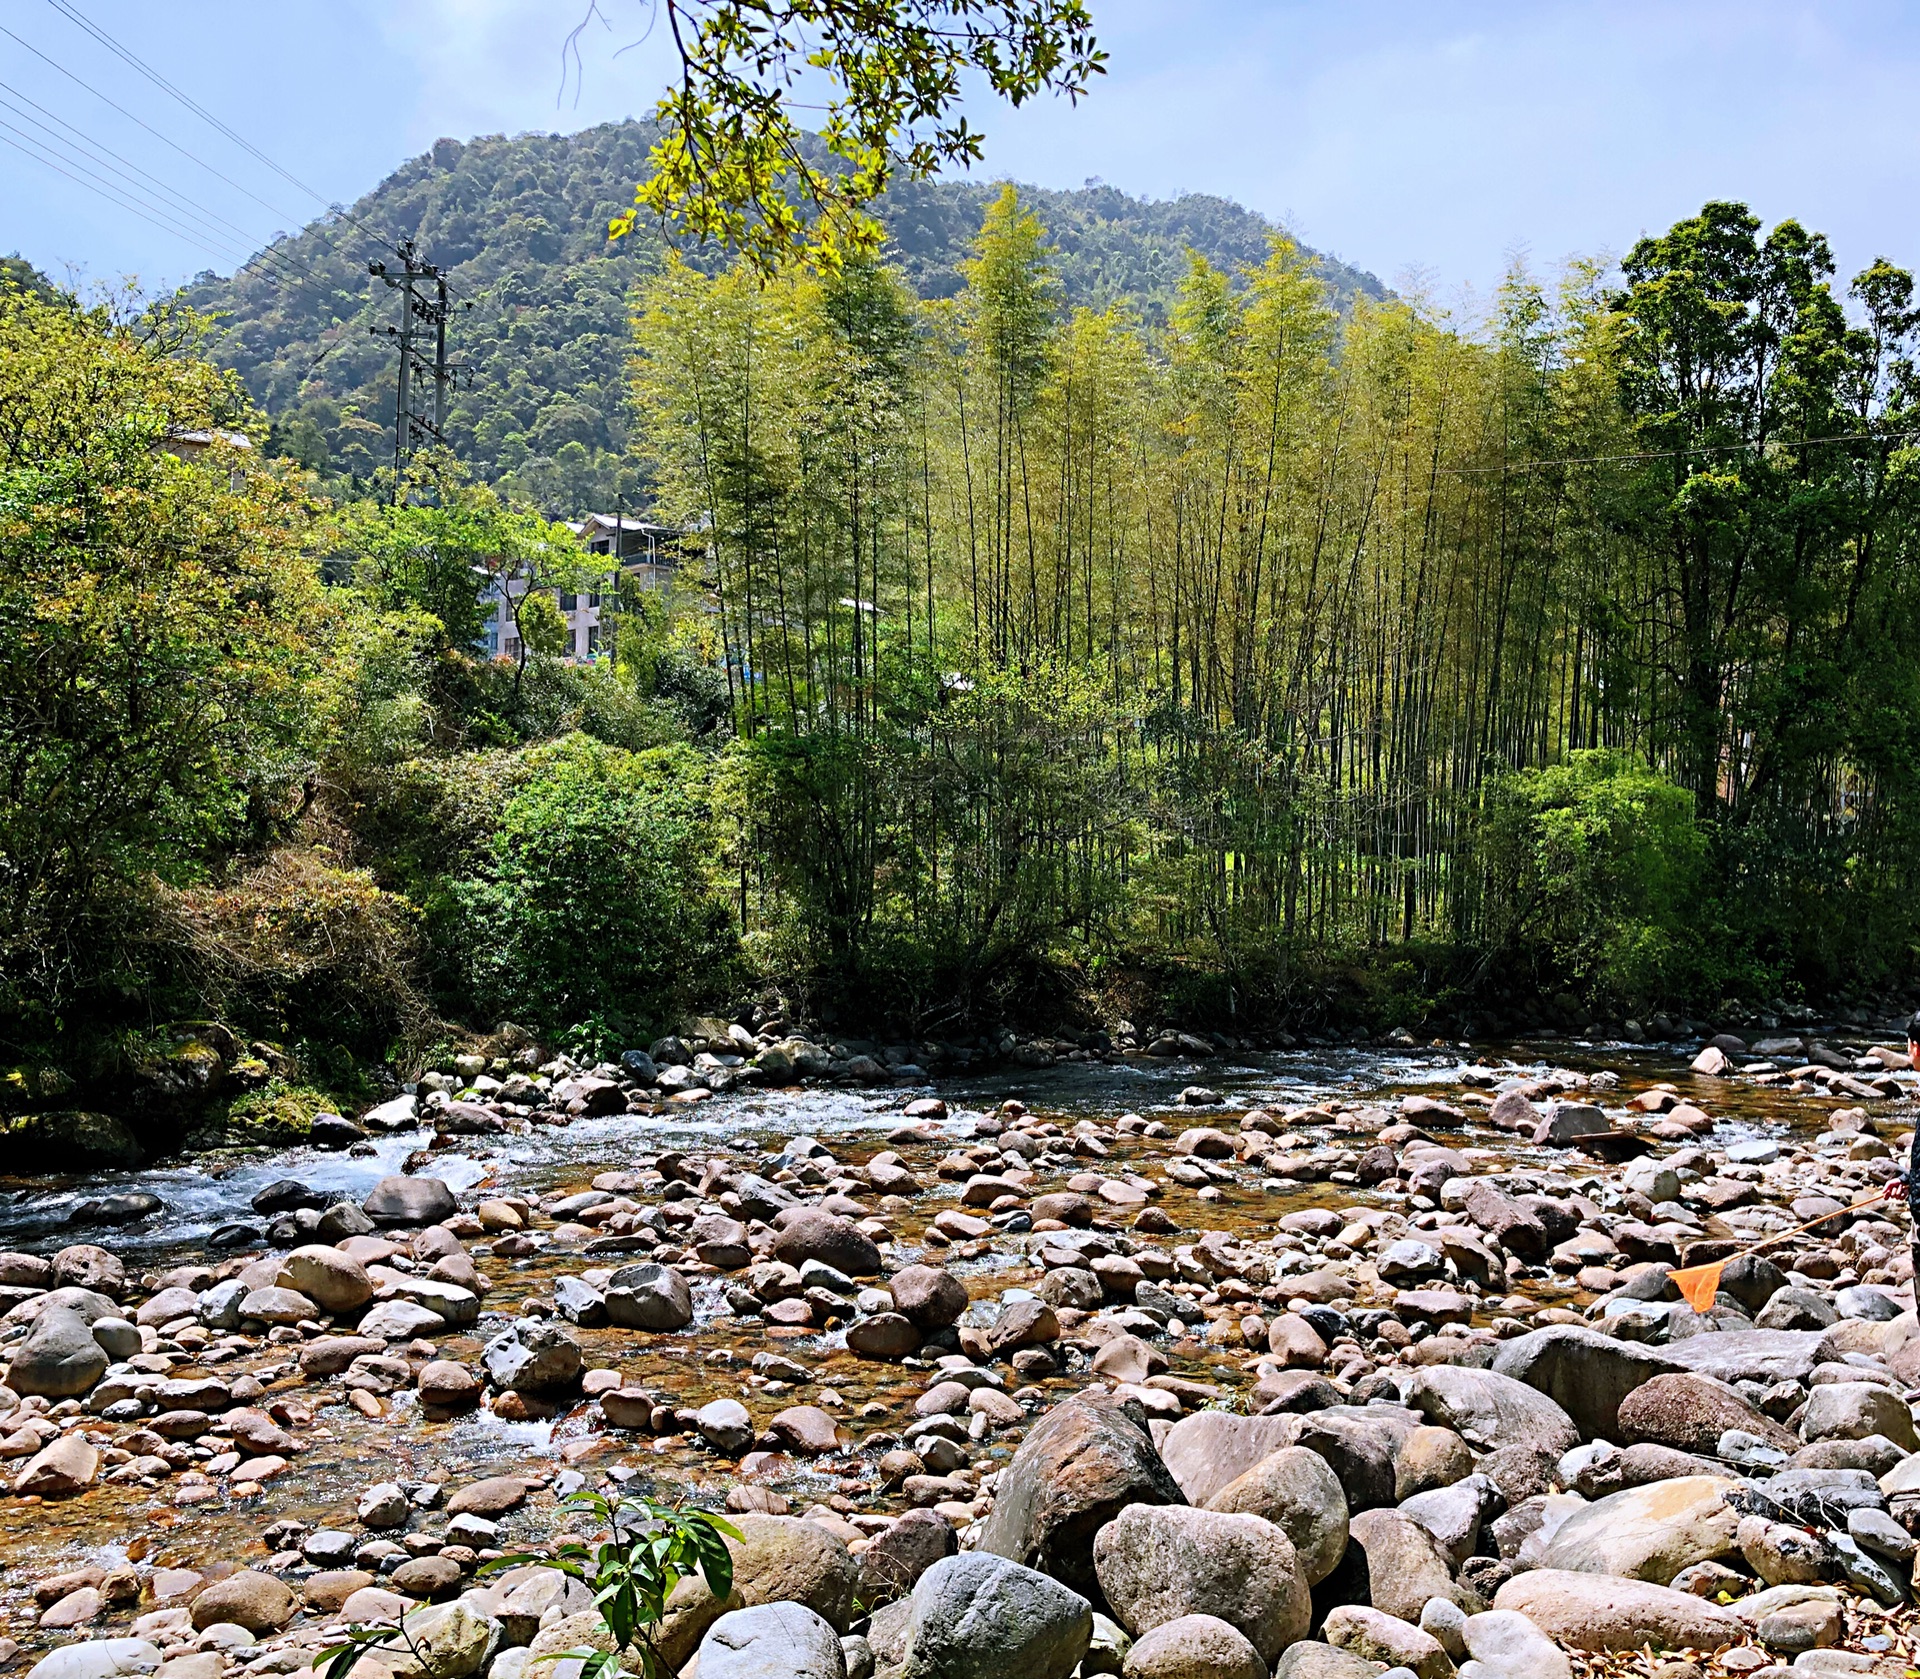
pixel 635 549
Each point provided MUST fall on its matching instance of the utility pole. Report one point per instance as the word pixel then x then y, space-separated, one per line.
pixel 413 426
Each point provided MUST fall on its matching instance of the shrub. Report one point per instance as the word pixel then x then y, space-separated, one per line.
pixel 592 900
pixel 1594 874
pixel 298 946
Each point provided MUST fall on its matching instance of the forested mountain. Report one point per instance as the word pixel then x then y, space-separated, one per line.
pixel 541 298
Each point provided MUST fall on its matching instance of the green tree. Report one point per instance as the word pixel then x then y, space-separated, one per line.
pixel 591 904
pixel 164 637
pixel 17 274
pixel 732 165
pixel 1599 867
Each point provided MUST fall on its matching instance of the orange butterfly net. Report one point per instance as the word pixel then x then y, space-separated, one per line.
pixel 1698 1284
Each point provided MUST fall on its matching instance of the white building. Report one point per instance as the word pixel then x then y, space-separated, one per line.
pixel 644 552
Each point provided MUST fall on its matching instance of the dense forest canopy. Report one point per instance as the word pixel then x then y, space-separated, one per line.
pixel 1277 654
pixel 521 226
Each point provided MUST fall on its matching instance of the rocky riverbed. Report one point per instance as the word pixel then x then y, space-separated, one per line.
pixel 1182 1366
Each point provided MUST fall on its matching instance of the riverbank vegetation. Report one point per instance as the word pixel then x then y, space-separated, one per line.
pixel 1273 665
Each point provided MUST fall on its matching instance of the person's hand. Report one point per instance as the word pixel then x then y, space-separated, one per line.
pixel 1896 1187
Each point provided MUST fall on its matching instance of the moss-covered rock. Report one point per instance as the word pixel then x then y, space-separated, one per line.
pixel 32 1087
pixel 277 1112
pixel 249 1073
pixel 67 1140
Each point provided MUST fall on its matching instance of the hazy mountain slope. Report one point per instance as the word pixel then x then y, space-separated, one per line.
pixel 520 224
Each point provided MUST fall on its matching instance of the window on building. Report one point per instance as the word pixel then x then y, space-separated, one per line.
pixel 593 641
pixel 513 648
pixel 568 602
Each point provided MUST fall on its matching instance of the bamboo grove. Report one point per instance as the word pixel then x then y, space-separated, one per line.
pixel 1568 646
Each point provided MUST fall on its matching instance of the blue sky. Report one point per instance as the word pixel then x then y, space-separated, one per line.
pixel 1422 139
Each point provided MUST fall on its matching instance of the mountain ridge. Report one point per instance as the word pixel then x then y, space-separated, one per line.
pixel 540 293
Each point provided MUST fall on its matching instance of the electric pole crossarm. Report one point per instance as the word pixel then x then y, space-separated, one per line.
pixel 413 427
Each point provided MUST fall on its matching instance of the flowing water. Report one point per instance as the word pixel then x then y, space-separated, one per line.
pixel 345 1451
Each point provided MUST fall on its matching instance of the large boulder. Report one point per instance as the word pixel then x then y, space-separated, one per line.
pixel 60 1469
pixel 588 1630
pixel 1156 1563
pixel 1585 1373
pixel 167 1306
pixel 259 1602
pixel 1650 1532
pixel 1855 1410
pixel 805 1233
pixel 401 1320
pixel 782 1559
pixel 1517 1230
pixel 492 1496
pixel 1428 1459
pixel 884 1336
pixel 1210 1449
pixel 444 1641
pixel 648 1296
pixel 446 1387
pixel 532 1355
pixel 1310 1659
pixel 1359 1444
pixel 891 1566
pixel 1750 1280
pixel 99 1658
pixel 1509 1646
pixel 25 1270
pixel 277 1307
pixel 1593 1612
pixel 978 1616
pixel 1406 1566
pixel 1377 1636
pixel 772 1641
pixel 1194 1647
pixel 1080 1465
pixel 404 1201
pixel 1453 1514
pixel 90 1303
pixel 725 1424
pixel 929 1296
pixel 449 1301
pixel 1689 1412
pixel 524 1601
pixel 59 1358
pixel 85 1266
pixel 334 1282
pixel 690 1610
pixel 1488 1410
pixel 1750 1355
pixel 1295 1490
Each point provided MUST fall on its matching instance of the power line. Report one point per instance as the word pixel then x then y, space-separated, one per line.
pixel 164 139
pixel 132 59
pixel 255 250
pixel 97 152
pixel 412 428
pixel 198 241
pixel 167 217
pixel 135 62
